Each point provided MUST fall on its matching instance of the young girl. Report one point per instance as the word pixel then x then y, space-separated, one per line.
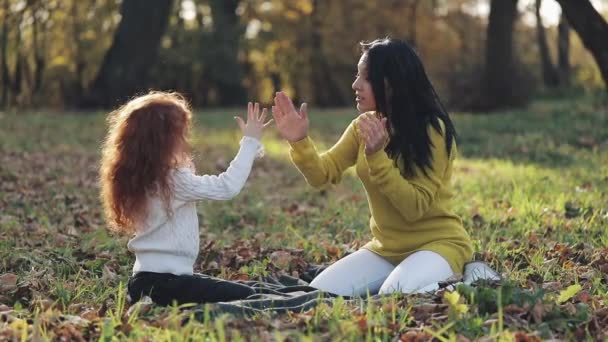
pixel 403 149
pixel 149 189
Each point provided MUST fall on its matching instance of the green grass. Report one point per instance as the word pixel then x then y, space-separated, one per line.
pixel 531 186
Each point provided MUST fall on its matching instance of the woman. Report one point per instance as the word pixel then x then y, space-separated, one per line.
pixel 403 147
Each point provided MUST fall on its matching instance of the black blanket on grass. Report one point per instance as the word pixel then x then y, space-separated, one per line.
pixel 275 294
pixel 289 294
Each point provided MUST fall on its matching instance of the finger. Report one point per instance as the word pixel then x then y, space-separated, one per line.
pixel 279 101
pixel 249 109
pixel 276 113
pixel 384 127
pixel 363 134
pixel 372 118
pixel 364 124
pixel 375 124
pixel 264 115
pixel 250 112
pixel 367 138
pixel 285 103
pixel 256 111
pixel 379 130
pixel 371 136
pixel 381 134
pixel 240 122
pixel 304 110
pixel 374 130
pixel 270 122
pixel 364 129
pixel 369 119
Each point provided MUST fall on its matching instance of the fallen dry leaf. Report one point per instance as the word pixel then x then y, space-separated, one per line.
pixel 8 282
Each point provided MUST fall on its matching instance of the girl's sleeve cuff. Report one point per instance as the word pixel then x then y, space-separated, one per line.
pixel 255 142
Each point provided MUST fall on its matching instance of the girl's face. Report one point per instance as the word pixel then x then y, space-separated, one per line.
pixel 363 88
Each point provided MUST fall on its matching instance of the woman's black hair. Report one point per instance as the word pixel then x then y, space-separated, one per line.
pixel 405 95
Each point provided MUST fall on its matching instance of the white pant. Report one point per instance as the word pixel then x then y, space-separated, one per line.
pixel 365 271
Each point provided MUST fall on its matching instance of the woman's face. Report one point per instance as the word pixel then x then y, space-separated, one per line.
pixel 363 88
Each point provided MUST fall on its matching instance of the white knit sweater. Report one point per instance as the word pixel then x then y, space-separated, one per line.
pixel 166 244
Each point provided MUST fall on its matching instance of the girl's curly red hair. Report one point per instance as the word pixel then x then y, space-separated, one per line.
pixel 147 138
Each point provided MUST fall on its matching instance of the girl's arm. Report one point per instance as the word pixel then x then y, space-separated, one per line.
pixel 191 187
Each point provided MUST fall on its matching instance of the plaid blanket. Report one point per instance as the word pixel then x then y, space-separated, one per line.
pixel 288 294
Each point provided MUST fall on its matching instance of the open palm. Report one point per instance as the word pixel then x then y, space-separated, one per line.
pixel 292 125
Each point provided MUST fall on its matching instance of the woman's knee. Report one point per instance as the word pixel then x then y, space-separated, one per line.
pixel 418 272
pixel 333 280
pixel 355 275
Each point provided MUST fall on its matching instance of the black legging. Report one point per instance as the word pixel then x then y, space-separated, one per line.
pixel 164 288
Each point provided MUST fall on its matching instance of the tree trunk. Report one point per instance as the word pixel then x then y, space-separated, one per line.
pixel 223 51
pixel 16 86
pixel 550 76
pixel 499 65
pixel 76 89
pixel 563 45
pixel 133 52
pixel 6 79
pixel 412 29
pixel 39 62
pixel 324 90
pixel 591 28
pixel 275 78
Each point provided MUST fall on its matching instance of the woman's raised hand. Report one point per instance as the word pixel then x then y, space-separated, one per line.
pixel 292 125
pixel 254 127
pixel 374 133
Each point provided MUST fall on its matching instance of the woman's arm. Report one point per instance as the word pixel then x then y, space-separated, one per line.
pixel 328 167
pixel 318 169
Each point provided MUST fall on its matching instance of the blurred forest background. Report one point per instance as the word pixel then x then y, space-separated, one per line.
pixel 530 182
pixel 481 55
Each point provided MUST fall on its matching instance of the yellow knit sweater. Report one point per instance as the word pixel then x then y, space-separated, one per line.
pixel 408 214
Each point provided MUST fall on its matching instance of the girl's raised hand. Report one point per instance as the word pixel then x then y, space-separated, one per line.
pixel 292 125
pixel 254 127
